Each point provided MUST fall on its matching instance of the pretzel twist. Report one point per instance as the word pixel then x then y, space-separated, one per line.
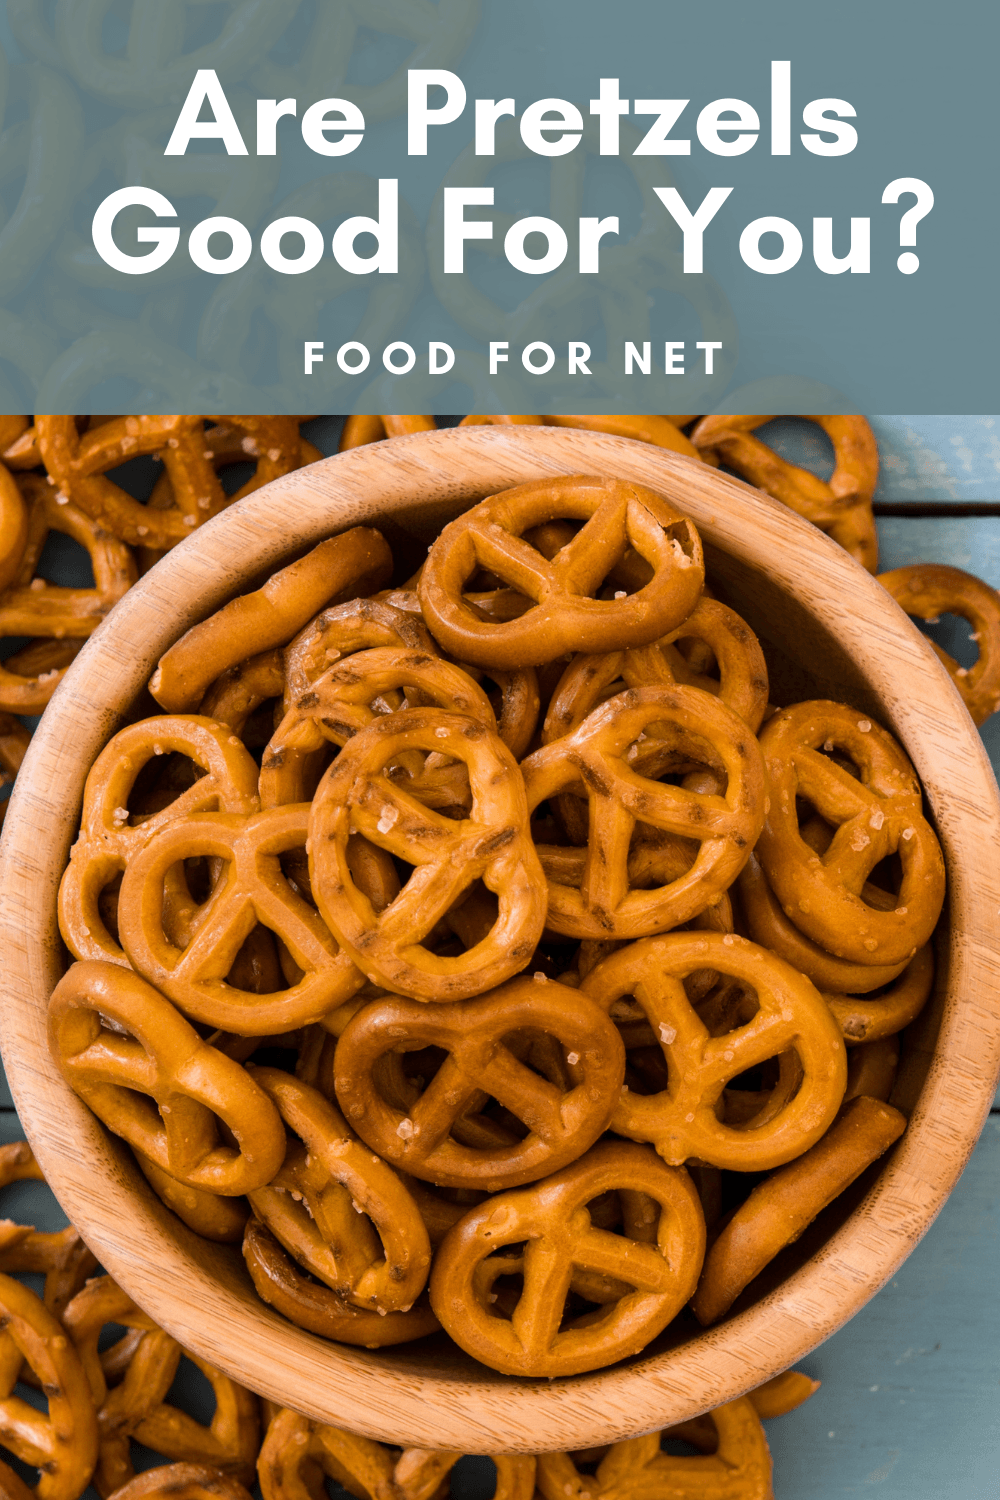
pixel 189 1085
pixel 735 1464
pixel 597 756
pixel 875 815
pixel 681 1120
pixel 319 1205
pixel 61 1256
pixel 355 562
pixel 340 631
pixel 491 844
pixel 929 590
pixel 564 1113
pixel 62 1444
pixel 781 1208
pixel 110 838
pixel 552 1222
pixel 565 617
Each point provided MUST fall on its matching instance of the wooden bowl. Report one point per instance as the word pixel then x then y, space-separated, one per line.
pixel 841 635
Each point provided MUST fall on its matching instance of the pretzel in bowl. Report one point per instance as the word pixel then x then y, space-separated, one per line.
pixel 641 1282
pixel 598 756
pixel 342 630
pixel 433 1134
pixel 60 1255
pixel 491 844
pixel 565 616
pixel 874 814
pixel 681 1120
pixel 929 590
pixel 189 1085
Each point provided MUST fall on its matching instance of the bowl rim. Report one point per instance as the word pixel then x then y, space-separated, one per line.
pixel 384 1397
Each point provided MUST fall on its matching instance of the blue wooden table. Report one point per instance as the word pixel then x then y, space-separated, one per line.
pixel 909 1403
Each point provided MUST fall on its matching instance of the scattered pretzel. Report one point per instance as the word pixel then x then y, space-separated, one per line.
pixel 492 844
pixel 929 590
pixel 565 617
pixel 435 1136
pixel 780 1209
pixel 875 815
pixel 356 562
pixel 552 1223
pixel 782 1394
pixel 597 756
pixel 190 1085
pixel 61 1255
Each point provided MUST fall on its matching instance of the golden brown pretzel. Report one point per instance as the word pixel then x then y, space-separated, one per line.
pixel 208 1214
pixel 338 632
pixel 330 1191
pixel 282 1285
pixel 109 838
pixel 136 1407
pixel 564 1114
pixel 360 430
pixel 355 562
pixel 681 1120
pixel 239 691
pixel 61 1255
pixel 253 889
pixel 929 590
pixel 734 1464
pixel 781 1207
pixel 598 756
pixel 182 1482
pixel 840 506
pixel 875 815
pixel 491 844
pixel 782 1393
pixel 62 1445
pixel 663 432
pixel 565 616
pixel 189 1085
pixel 883 1014
pixel 551 1221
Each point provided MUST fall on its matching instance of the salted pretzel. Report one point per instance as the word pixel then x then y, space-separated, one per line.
pixel 361 430
pixel 662 432
pixel 734 1464
pixel 356 562
pixel 60 1255
pixel 597 756
pixel 208 1214
pixel 338 632
pixel 311 1305
pixel 840 506
pixel 876 814
pixel 148 1049
pixel 236 695
pixel 253 888
pixel 930 590
pixel 182 1482
pixel 329 1193
pixel 492 844
pixel 564 1115
pixel 110 837
pixel 780 1208
pixel 348 697
pixel 136 1406
pixel 872 1017
pixel 61 1444
pixel 565 616
pixel 551 1222
pixel 681 1120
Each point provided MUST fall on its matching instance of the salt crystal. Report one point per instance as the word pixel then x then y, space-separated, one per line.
pixel 405 1129
pixel 900 911
pixel 688 1119
pixel 390 815
pixel 621 594
pixel 864 725
pixel 540 978
pixel 204 502
pixel 572 1058
pixel 120 815
pixel 62 498
pixel 828 746
pixel 274 454
pixel 442 733
pixel 189 520
pixel 859 840
pixel 877 819
pixel 728 1056
pixel 729 939
pixel 142 530
pixel 668 1034
pixel 249 445
pixel 37 584
pixel 356 1206
pixel 908 833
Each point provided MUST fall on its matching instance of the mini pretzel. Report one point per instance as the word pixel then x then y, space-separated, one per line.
pixel 355 562
pixel 681 1120
pixel 335 633
pixel 565 617
pixel 735 1464
pixel 564 1116
pixel 882 1015
pixel 780 1208
pixel 310 1305
pixel 320 1202
pixel 361 430
pixel 597 755
pixel 61 1255
pixel 62 1445
pixel 840 506
pixel 208 1214
pixel 874 816
pixel 182 1482
pixel 492 844
pixel 136 1407
pixel 662 432
pixel 109 838
pixel 190 1085
pixel 929 590
pixel 552 1223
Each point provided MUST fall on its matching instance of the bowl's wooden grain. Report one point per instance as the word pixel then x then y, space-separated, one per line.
pixel 842 635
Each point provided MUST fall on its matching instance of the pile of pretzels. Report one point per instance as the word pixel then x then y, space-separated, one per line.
pixel 483 953
pixel 108 1372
